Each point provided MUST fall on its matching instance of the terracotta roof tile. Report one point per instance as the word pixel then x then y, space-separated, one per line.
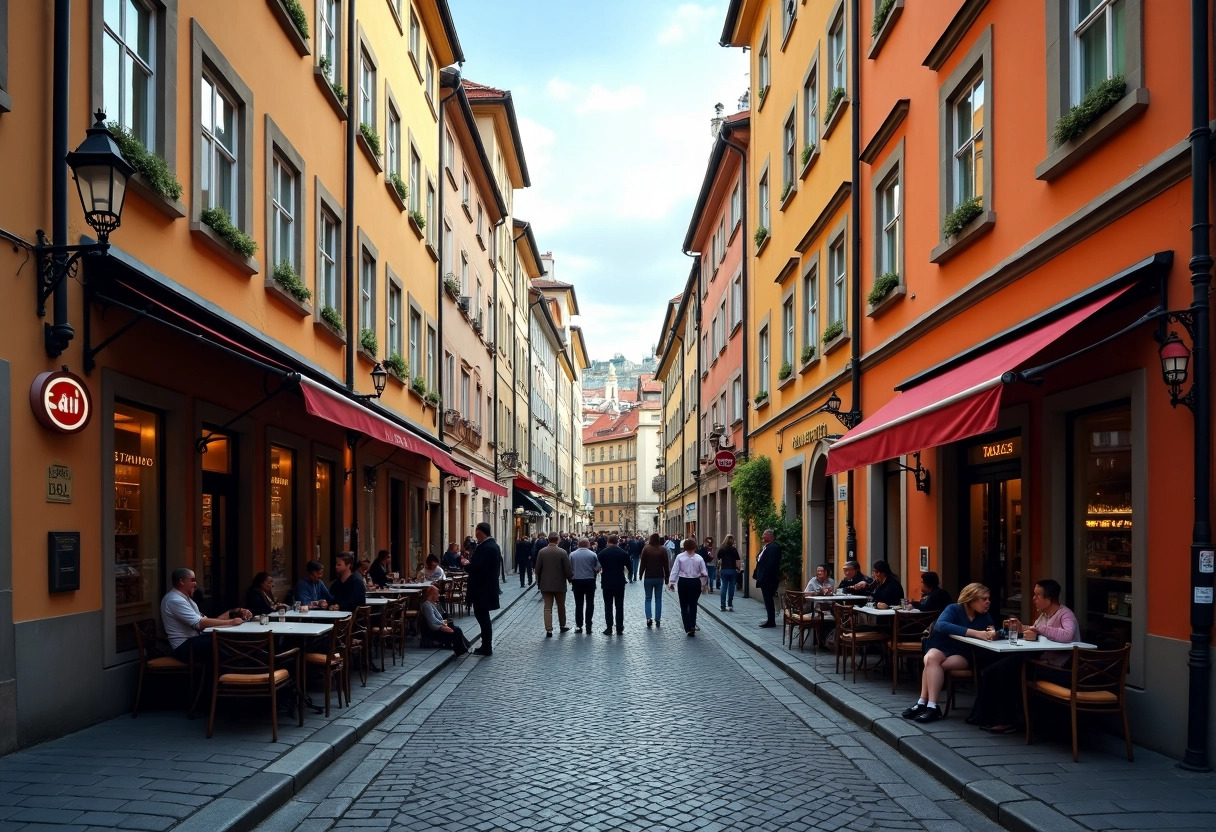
pixel 540 283
pixel 475 90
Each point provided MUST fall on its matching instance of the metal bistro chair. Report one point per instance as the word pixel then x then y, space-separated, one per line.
pixel 155 659
pixel 1097 685
pixel 391 629
pixel 245 665
pixel 849 638
pixel 797 615
pixel 360 643
pixel 334 663
pixel 908 633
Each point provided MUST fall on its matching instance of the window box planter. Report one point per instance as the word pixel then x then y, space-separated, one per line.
pixel 892 296
pixel 835 111
pixel 431 250
pixel 418 386
pixel 787 195
pixel 884 21
pixel 952 244
pixel 432 399
pixel 1108 122
pixel 212 239
pixel 369 346
pixel 761 94
pixel 830 345
pixel 397 368
pixel 760 400
pixel 332 92
pixel 285 286
pixel 451 285
pixel 785 380
pixel 418 223
pixel 369 143
pixel 171 208
pixel 301 307
pixel 760 238
pixel 808 159
pixel 294 20
pixel 808 358
pixel 334 333
pixel 397 190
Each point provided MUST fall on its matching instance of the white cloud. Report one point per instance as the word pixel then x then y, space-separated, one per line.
pixel 685 22
pixel 559 89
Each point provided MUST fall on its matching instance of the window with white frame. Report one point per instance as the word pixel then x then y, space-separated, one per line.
pixel 764 362
pixel 762 69
pixel 736 398
pixel 789 160
pixel 1098 38
pixel 810 299
pixel 285 203
pixel 736 206
pixel 448 262
pixel 838 271
pixel 762 198
pixel 429 78
pixel 393 347
pixel 415 181
pixel 889 223
pixel 327 262
pixel 721 241
pixel 788 318
pixel 464 273
pixel 220 149
pixel 432 369
pixel 464 188
pixel 129 61
pixel 392 141
pixel 810 109
pixel 415 39
pixel 367 90
pixel 464 393
pixel 367 291
pixel 836 54
pixel 736 301
pixel 788 11
pixel 415 336
pixel 449 374
pixel 720 321
pixel 967 116
pixel 429 213
pixel 329 24
pixel 449 151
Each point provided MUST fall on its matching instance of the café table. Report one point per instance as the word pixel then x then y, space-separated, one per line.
pixel 875 613
pixel 376 603
pixel 413 585
pixel 397 590
pixel 316 615
pixel 1002 645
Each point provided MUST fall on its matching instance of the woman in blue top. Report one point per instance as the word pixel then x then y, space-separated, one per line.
pixel 969 617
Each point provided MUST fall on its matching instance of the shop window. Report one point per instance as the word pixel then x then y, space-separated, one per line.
pixel 1102 502
pixel 138 565
pixel 325 535
pixel 282 518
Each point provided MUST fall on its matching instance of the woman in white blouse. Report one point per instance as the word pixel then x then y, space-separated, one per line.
pixel 690 575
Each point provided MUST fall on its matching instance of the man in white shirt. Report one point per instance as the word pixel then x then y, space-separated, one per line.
pixel 184 623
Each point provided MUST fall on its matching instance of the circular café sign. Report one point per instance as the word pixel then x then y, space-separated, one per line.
pixel 61 402
pixel 725 461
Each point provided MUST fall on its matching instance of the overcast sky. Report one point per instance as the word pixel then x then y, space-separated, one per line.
pixel 614 102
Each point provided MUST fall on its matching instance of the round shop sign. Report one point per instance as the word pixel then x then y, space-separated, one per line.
pixel 725 461
pixel 61 402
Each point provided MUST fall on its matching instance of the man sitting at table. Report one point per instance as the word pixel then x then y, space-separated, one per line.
pixel 998 700
pixel 183 622
pixel 311 589
pixel 820 583
pixel 379 570
pixel 432 571
pixel 347 589
pixel 436 627
pixel 854 581
pixel 932 597
pixel 886 590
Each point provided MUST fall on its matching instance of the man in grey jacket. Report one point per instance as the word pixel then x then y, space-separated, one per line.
pixel 553 574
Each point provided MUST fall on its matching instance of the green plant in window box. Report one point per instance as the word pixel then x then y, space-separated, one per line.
pixel 367 341
pixel 761 93
pixel 880 17
pixel 396 365
pixel 371 137
pixel 834 101
pixel 963 215
pixel 285 275
pixel 760 397
pixel 298 16
pixel 808 352
pixel 327 67
pixel 432 398
pixel 785 191
pixel 419 385
pixel 807 152
pixel 834 329
pixel 152 167
pixel 333 319
pixel 399 186
pixel 882 287
pixel 452 285
pixel 760 236
pixel 219 222
pixel 418 218
pixel 1100 98
pixel 786 371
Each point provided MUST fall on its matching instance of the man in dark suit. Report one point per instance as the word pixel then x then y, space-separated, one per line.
pixel 482 587
pixel 601 542
pixel 523 559
pixel 614 561
pixel 567 542
pixel 767 575
pixel 635 556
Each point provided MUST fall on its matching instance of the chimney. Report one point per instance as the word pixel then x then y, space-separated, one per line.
pixel 715 123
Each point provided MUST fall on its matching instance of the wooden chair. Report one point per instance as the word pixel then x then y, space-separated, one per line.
pixel 797 615
pixel 156 659
pixel 455 597
pixel 849 638
pixel 244 665
pixel 360 642
pixel 907 638
pixel 410 605
pixel 1098 680
pixel 953 677
pixel 334 662
pixel 390 631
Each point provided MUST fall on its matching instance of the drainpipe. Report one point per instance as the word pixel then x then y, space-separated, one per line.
pixel 58 335
pixel 1199 657
pixel 439 296
pixel 744 533
pixel 349 290
pixel 855 198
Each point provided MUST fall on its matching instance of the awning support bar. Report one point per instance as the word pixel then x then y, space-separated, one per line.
pixel 1033 374
pixel 291 380
pixel 919 473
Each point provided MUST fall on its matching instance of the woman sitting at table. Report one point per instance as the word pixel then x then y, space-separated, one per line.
pixel 932 597
pixel 259 598
pixel 379 571
pixel 820 583
pixel 886 591
pixel 969 617
pixel 431 572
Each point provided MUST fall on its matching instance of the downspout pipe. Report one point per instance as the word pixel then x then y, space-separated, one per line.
pixel 349 288
pixel 58 335
pixel 855 199
pixel 439 289
pixel 1199 658
pixel 743 293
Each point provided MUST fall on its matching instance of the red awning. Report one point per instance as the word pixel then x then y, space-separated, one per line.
pixel 525 484
pixel 486 483
pixel 962 402
pixel 340 410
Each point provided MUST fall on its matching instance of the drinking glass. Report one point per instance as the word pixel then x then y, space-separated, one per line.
pixel 1012 632
pixel 263 619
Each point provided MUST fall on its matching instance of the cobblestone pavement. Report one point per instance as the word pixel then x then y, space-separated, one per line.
pixel 651 731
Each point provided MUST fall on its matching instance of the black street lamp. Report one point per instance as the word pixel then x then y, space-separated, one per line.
pixel 379 379
pixel 1175 364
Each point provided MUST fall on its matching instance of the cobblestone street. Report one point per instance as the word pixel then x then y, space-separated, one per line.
pixel 651 730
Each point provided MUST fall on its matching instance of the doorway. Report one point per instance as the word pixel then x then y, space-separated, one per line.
pixel 991 538
pixel 396 530
pixel 219 523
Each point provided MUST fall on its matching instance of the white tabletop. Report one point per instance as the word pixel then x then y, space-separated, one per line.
pixel 317 615
pixel 397 590
pixel 415 585
pixel 824 599
pixel 377 602
pixel 279 628
pixel 1002 645
pixel 887 613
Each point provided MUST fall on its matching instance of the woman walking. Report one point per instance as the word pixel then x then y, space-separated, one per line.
pixel 728 573
pixel 690 575
pixel 707 554
pixel 653 568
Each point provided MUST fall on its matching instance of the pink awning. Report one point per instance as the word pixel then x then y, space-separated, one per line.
pixel 487 483
pixel 525 484
pixel 962 402
pixel 340 410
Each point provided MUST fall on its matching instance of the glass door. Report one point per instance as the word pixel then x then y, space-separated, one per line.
pixel 218 572
pixel 991 543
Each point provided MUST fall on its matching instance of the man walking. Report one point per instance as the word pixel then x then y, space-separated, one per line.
pixel 482 588
pixel 767 575
pixel 614 561
pixel 635 556
pixel 585 565
pixel 553 573
pixel 523 559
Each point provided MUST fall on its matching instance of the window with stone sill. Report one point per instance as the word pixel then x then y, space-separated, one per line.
pixel 222 146
pixel 965 131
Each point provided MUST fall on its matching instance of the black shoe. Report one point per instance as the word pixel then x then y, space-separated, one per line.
pixel 910 713
pixel 565 629
pixel 767 624
pixel 620 632
pixel 929 715
pixel 607 632
pixel 481 651
pixel 649 622
pixel 548 634
pixel 657 623
pixel 724 609
pixel 578 629
pixel 691 634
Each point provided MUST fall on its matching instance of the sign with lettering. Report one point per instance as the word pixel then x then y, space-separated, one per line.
pixel 724 461
pixel 58 483
pixel 998 450
pixel 61 402
pixel 810 437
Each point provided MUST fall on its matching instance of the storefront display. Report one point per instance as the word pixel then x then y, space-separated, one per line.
pixel 137 505
pixel 282 518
